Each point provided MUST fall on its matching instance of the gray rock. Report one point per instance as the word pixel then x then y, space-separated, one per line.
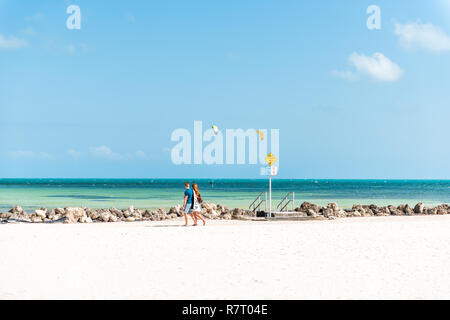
pixel 40 213
pixel 419 208
pixel 5 215
pixel 221 208
pixel 442 209
pixel 333 206
pixel 13 216
pixel 408 210
pixel 116 212
pixel 105 216
pixel 354 213
pixel 93 214
pixel 358 211
pixel 383 211
pixel 17 210
pixel 161 211
pixel 73 215
pixel 147 214
pixel 227 216
pixel 307 206
pixel 36 219
pixel 341 214
pixel 178 210
pixel 328 212
pixel 51 214
pixel 395 211
pixel 209 206
pixel 85 219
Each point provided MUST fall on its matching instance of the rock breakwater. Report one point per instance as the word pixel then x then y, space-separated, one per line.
pixel 210 211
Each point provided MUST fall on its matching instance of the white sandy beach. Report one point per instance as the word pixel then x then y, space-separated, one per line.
pixel 358 258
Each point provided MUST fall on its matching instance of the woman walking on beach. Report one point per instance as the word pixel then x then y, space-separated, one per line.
pixel 196 207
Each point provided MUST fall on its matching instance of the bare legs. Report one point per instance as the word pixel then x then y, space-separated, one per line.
pixel 186 219
pixel 194 217
pixel 197 215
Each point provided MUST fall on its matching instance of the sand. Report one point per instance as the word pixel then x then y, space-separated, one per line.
pixel 357 258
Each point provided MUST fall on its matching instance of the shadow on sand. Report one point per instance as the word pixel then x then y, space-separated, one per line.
pixel 169 226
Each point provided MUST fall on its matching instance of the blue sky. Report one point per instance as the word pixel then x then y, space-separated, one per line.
pixel 103 101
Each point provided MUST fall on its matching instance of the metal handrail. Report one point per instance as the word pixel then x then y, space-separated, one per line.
pixel 283 205
pixel 257 198
pixel 255 207
pixel 284 199
pixel 287 203
pixel 259 205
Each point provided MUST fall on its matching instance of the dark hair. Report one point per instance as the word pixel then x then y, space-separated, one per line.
pixel 197 193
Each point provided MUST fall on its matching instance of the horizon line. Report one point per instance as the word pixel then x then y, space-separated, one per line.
pixel 228 178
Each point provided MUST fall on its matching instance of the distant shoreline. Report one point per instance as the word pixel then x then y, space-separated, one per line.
pixel 237 179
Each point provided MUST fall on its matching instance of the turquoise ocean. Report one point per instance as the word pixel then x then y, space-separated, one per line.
pixel 165 193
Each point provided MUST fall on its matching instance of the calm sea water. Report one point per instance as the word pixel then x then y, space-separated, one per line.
pixel 148 193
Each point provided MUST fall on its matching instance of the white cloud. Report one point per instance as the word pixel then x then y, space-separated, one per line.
pixel 104 152
pixel 74 153
pixel 37 17
pixel 425 36
pixel 130 17
pixel 11 42
pixel 25 154
pixel 84 47
pixel 141 154
pixel 29 31
pixel 347 75
pixel 67 48
pixel 71 49
pixel 377 66
pixel 138 155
